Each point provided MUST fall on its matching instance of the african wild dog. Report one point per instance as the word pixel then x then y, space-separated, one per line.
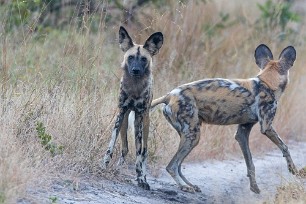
pixel 135 95
pixel 225 102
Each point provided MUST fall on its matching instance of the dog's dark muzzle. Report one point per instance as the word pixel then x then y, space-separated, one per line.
pixel 136 72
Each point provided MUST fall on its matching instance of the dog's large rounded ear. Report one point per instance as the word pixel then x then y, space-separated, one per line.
pixel 154 43
pixel 125 41
pixel 288 56
pixel 262 56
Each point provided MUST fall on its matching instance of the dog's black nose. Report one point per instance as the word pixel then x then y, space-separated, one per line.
pixel 135 71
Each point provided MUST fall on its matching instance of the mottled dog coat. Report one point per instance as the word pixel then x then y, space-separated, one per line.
pixel 225 102
pixel 135 95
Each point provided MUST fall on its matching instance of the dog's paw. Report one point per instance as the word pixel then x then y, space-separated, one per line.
pixel 103 165
pixel 292 169
pixel 105 162
pixel 196 188
pixel 144 185
pixel 254 188
pixel 188 189
pixel 121 161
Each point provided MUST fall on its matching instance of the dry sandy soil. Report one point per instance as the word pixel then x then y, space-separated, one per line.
pixel 220 182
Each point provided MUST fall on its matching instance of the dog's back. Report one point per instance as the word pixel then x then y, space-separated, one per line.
pixel 220 101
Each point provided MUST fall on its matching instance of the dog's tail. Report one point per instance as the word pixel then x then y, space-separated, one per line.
pixel 163 99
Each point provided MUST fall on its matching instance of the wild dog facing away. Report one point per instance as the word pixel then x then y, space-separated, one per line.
pixel 224 102
pixel 135 95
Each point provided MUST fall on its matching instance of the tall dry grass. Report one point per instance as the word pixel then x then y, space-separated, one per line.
pixel 68 80
pixel 292 192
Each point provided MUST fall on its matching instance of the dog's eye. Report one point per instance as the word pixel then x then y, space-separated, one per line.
pixel 131 57
pixel 143 59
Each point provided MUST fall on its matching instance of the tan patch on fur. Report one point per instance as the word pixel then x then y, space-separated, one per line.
pixel 173 103
pixel 245 83
pixel 217 93
pixel 270 75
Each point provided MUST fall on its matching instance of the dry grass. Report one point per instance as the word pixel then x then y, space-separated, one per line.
pixel 69 81
pixel 293 192
pixel 22 160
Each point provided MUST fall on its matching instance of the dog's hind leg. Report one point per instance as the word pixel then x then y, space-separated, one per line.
pixel 196 139
pixel 187 143
pixel 242 136
pixel 141 150
pixel 187 124
pixel 109 153
pixel 124 141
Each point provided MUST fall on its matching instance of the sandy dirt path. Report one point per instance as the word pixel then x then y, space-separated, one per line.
pixel 220 182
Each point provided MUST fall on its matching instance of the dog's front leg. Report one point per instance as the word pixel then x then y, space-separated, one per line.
pixel 273 136
pixel 266 114
pixel 141 153
pixel 109 153
pixel 144 153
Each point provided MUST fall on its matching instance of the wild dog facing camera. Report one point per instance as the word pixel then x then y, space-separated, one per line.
pixel 135 95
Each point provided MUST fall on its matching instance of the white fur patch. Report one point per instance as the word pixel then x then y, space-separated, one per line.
pixel 256 79
pixel 131 121
pixel 232 85
pixel 175 92
pixel 185 128
pixel 167 109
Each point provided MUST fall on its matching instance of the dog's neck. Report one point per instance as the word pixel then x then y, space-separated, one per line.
pixel 135 86
pixel 274 79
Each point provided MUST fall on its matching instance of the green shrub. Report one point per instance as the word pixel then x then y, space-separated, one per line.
pixel 277 14
pixel 20 12
pixel 53 199
pixel 2 197
pixel 45 140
